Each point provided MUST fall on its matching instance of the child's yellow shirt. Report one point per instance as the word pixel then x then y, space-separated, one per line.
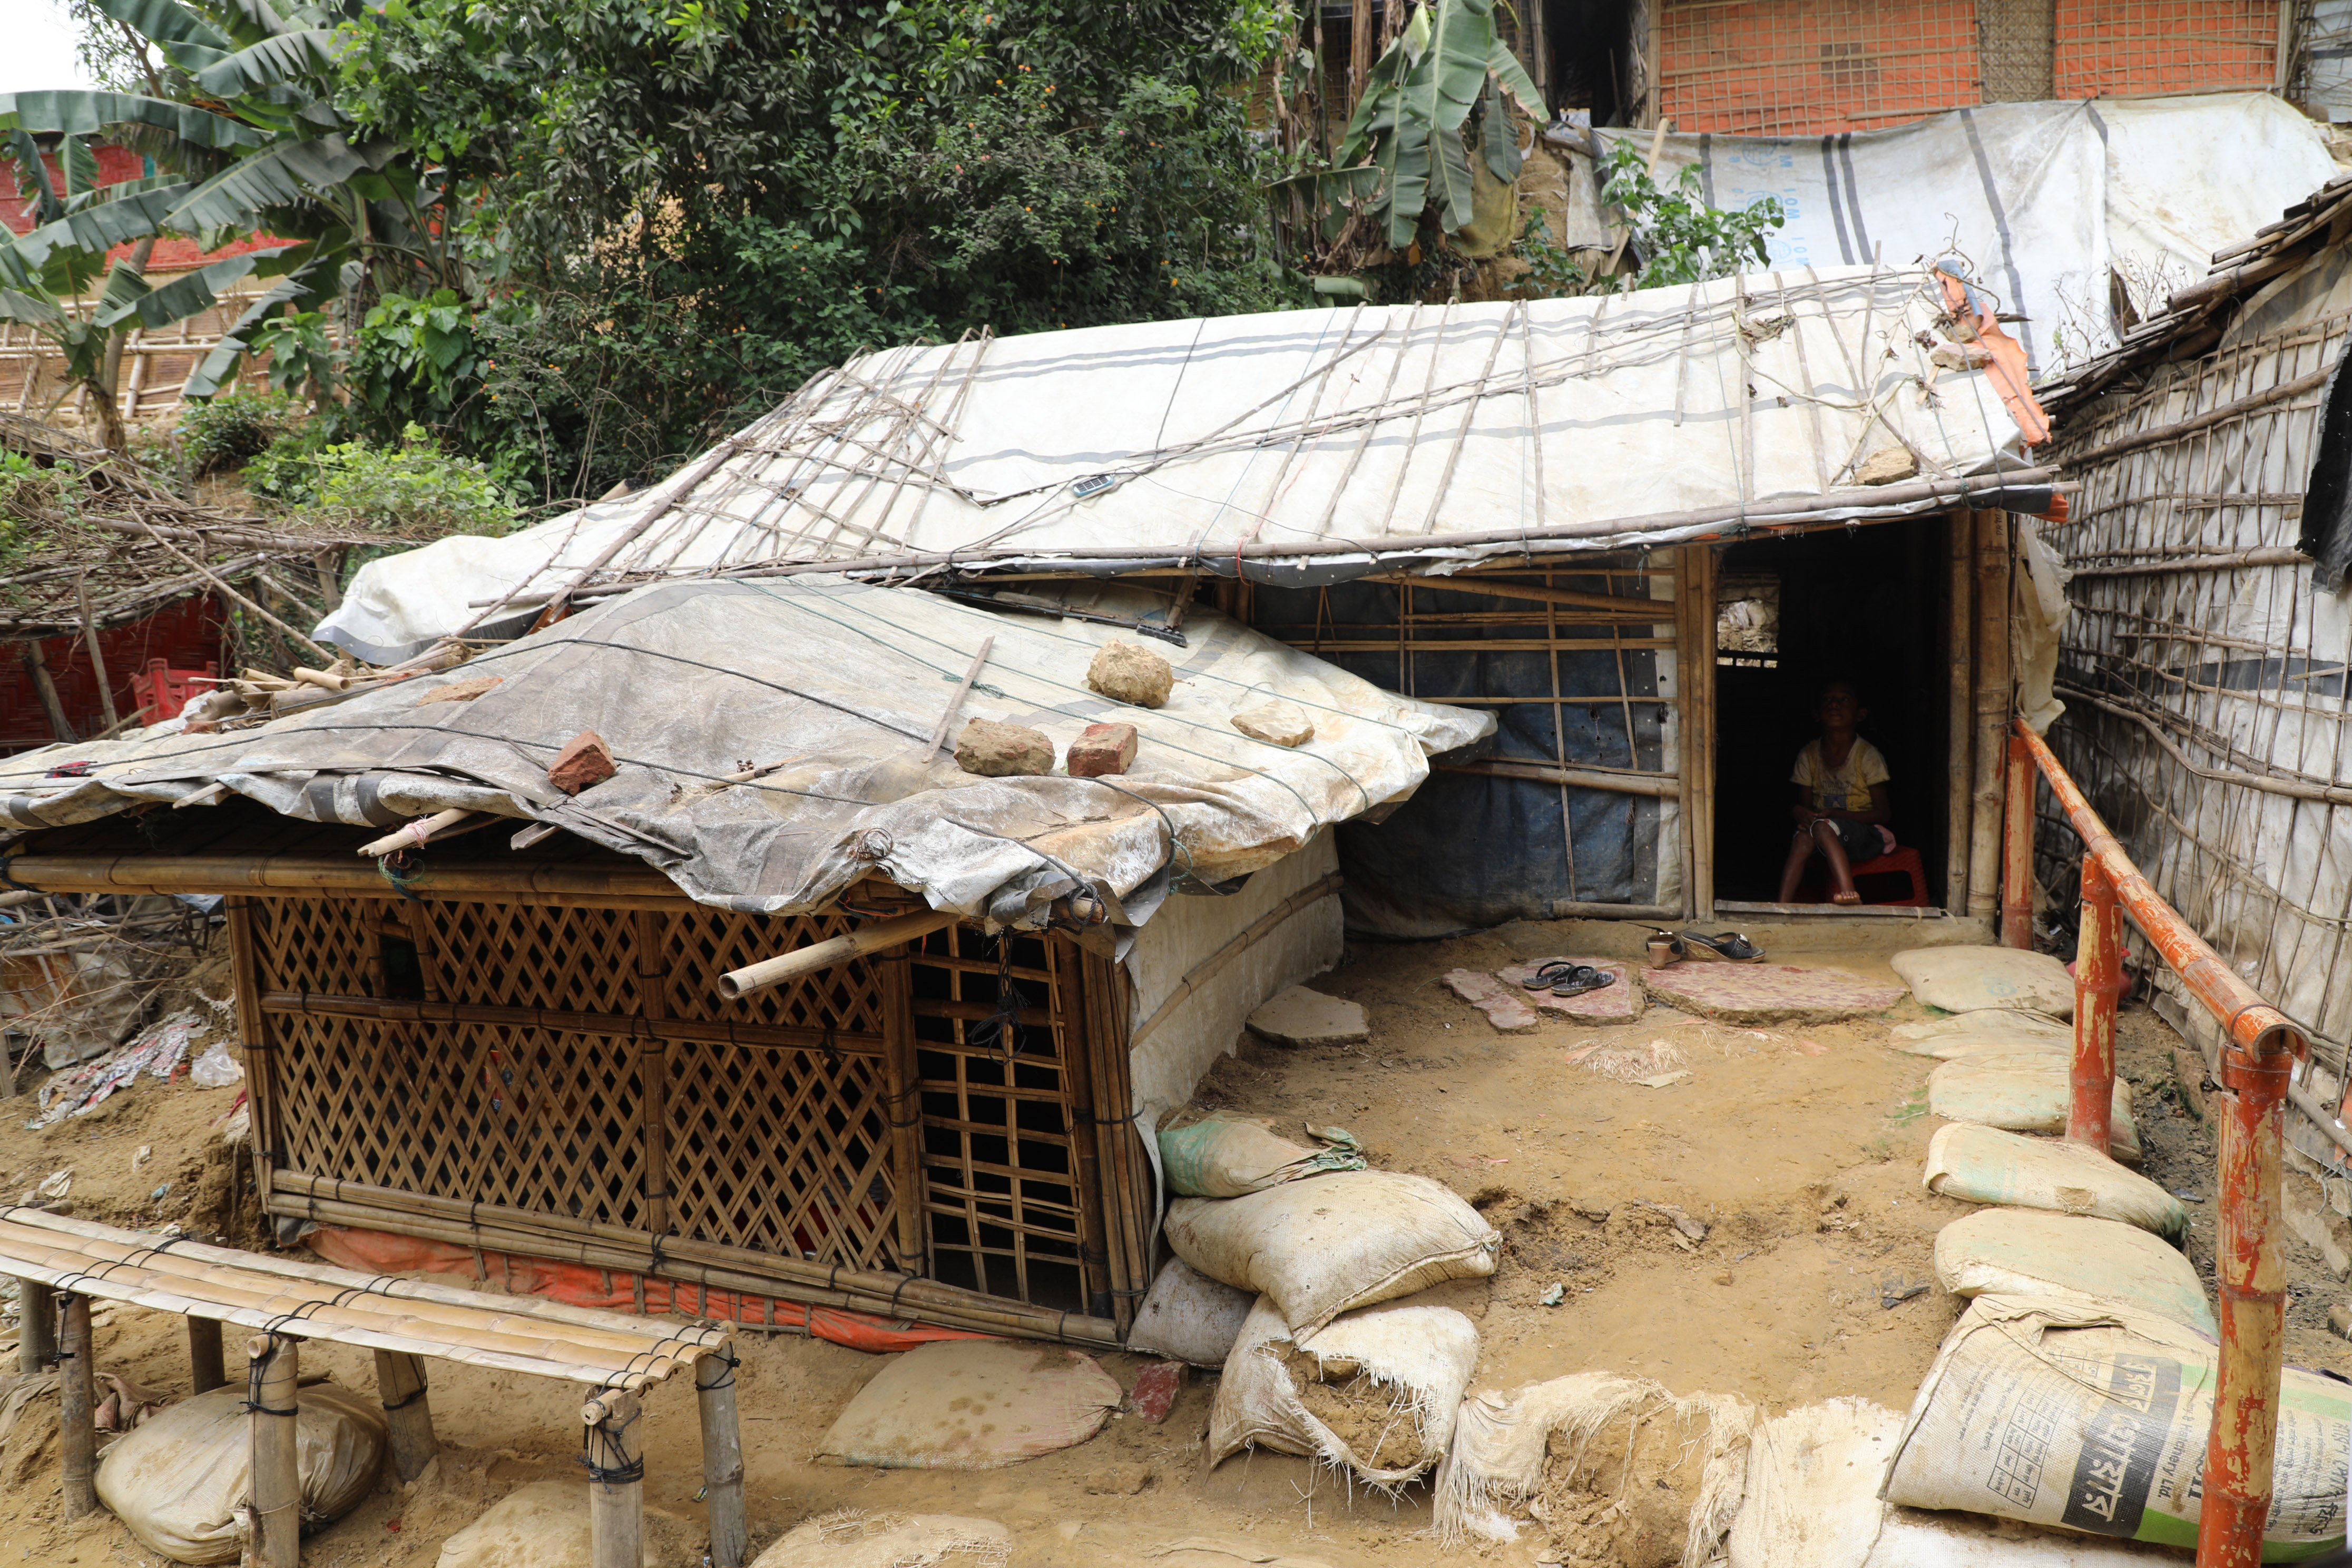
pixel 1846 786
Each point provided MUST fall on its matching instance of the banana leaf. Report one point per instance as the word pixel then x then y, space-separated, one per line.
pixel 101 225
pixel 83 112
pixel 284 176
pixel 268 63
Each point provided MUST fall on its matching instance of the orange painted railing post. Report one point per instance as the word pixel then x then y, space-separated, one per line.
pixel 2017 849
pixel 2239 1454
pixel 2098 983
pixel 2259 1044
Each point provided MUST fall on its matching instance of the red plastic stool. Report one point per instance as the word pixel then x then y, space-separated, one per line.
pixel 1902 861
pixel 161 691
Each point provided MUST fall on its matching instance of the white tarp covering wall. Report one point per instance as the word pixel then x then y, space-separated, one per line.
pixel 2041 199
pixel 842 685
pixel 1436 435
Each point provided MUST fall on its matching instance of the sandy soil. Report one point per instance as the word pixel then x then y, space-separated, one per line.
pixel 1799 1147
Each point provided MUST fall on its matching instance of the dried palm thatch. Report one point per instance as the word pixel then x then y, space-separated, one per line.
pixel 91 540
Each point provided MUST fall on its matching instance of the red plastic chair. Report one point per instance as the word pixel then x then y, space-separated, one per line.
pixel 161 691
pixel 1902 861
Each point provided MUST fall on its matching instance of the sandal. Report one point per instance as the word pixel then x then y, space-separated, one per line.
pixel 1582 978
pixel 1663 948
pixel 1729 947
pixel 1547 976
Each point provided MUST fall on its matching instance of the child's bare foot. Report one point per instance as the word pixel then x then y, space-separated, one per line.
pixel 1854 898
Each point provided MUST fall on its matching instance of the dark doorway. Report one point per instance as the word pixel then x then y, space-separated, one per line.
pixel 1793 613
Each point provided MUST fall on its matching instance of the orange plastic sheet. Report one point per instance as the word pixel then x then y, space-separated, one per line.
pixel 381 1252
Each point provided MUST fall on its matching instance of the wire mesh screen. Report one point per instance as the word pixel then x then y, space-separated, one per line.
pixel 2107 48
pixel 992 1046
pixel 2204 678
pixel 2016 44
pixel 1803 68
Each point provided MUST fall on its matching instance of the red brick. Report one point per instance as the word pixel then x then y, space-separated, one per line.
pixel 585 761
pixel 1155 1390
pixel 1101 750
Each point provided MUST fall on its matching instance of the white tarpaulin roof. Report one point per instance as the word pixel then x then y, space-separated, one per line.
pixel 843 684
pixel 2042 199
pixel 1290 445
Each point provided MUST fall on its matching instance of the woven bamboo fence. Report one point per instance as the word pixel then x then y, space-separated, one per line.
pixel 155 364
pixel 560 1079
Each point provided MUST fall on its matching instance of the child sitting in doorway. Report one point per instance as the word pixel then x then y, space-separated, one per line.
pixel 1841 797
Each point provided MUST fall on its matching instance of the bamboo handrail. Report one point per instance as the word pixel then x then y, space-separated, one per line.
pixel 784 1036
pixel 2258 1042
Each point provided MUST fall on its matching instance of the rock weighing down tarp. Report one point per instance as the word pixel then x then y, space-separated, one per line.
pixel 843 684
pixel 1370 439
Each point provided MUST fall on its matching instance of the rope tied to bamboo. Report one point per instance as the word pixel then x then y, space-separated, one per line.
pixel 1001 1029
pixel 254 1372
pixel 604 1458
pixel 726 1358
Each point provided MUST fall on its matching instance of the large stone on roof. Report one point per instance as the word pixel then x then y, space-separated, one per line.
pixel 997 750
pixel 1126 673
pixel 1768 993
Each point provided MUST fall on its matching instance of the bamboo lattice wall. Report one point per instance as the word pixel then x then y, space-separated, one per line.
pixel 576 1062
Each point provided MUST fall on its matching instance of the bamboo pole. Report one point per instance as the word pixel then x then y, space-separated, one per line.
pixel 903 1110
pixel 2017 850
pixel 874 938
pixel 327 654
pixel 414 835
pixel 400 1386
pixel 947 719
pixel 37 668
pixel 1209 968
pixel 653 1067
pixel 276 1540
pixel 78 1408
pixel 722 1460
pixel 1959 697
pixel 2098 983
pixel 96 655
pixel 617 1483
pixel 253 1039
pixel 37 1327
pixel 1991 707
pixel 1079 1096
pixel 206 1371
pixel 1665 786
pixel 539 884
pixel 781 1037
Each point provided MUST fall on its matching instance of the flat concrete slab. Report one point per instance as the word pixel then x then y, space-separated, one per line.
pixel 1768 993
pixel 1505 1006
pixel 1619 1002
pixel 1302 1017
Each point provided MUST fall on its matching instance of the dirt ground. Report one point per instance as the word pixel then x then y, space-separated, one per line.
pixel 1800 1149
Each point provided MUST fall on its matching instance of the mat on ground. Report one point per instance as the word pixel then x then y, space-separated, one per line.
pixel 2020 1092
pixel 2031 1252
pixel 1375 1391
pixel 1987 1165
pixel 1323 1247
pixel 1189 1317
pixel 179 1478
pixel 971 1404
pixel 1970 979
pixel 1618 1469
pixel 2095 1418
pixel 1224 1154
pixel 545 1525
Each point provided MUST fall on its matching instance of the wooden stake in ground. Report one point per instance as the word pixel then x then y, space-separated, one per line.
pixel 78 1410
pixel 722 1460
pixel 36 1338
pixel 400 1386
pixel 97 657
pixel 616 1480
pixel 205 1371
pixel 277 1482
pixel 38 667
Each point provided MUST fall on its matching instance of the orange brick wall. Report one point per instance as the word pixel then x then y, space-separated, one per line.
pixel 1810 68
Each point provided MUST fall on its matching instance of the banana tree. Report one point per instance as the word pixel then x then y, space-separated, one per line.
pixel 260 146
pixel 1406 149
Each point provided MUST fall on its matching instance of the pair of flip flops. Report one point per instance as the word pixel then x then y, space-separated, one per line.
pixel 1563 979
pixel 1726 947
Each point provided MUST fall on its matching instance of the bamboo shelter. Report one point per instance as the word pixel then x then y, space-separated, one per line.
pixel 2201 669
pixel 575 1043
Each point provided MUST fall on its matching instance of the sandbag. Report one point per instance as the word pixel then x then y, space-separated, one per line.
pixel 1967 979
pixel 1620 1470
pixel 178 1478
pixel 2021 1093
pixel 856 1539
pixel 1225 1156
pixel 545 1525
pixel 2095 1418
pixel 1189 1317
pixel 1985 1165
pixel 1812 1498
pixel 1375 1391
pixel 1914 1538
pixel 2031 1252
pixel 971 1404
pixel 1989 1024
pixel 1320 1247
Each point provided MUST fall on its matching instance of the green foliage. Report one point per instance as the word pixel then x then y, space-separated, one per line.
pixel 301 355
pixel 1408 146
pixel 1552 272
pixel 411 489
pixel 684 210
pixel 1678 236
pixel 229 430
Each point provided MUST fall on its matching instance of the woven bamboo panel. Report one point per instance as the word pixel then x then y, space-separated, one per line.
pixel 775 1149
pixel 1000 1188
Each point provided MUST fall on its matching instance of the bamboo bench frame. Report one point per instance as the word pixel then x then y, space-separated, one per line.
pixel 63 1263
